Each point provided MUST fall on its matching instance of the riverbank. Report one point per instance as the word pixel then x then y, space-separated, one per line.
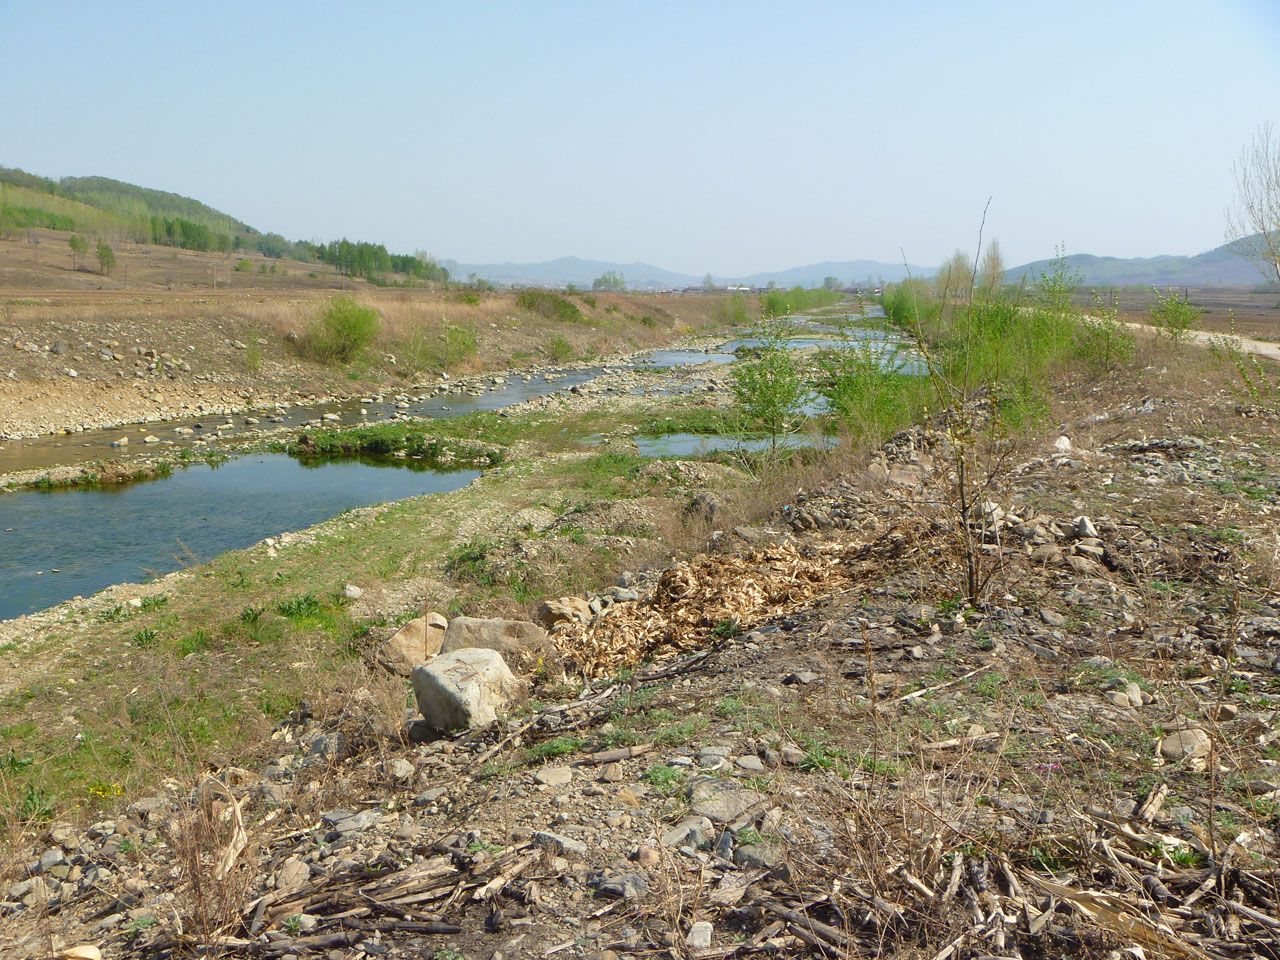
pixel 76 361
pixel 789 690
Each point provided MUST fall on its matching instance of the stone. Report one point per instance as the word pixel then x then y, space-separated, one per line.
pixel 1052 617
pixel 721 801
pixel 1186 744
pixel 519 642
pixel 122 442
pixel 1062 445
pixel 554 776
pixel 552 613
pixel 414 643
pixel 699 936
pixel 560 844
pixel 1085 530
pixel 352 592
pixel 399 769
pixel 463 688
pixel 1134 693
pixel 1118 698
pixel 750 763
pixel 293 873
pixel 757 856
pixel 612 772
pixel 625 886
pixel 691 831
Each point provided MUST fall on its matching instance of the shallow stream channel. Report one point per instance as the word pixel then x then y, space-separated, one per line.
pixel 57 544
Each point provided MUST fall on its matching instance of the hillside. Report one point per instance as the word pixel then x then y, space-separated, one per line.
pixel 1219 267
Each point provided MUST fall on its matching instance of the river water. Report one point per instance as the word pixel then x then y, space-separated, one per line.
pixel 59 544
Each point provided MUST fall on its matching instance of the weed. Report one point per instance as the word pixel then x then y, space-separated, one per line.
pixel 144 639
pixel 664 778
pixel 300 607
pixel 559 747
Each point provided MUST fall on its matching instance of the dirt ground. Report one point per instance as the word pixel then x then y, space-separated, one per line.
pixel 74 359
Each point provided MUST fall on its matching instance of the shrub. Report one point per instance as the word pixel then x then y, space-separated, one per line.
pixel 343 330
pixel 771 390
pixel 549 305
pixel 244 266
pixel 1173 315
pixel 559 350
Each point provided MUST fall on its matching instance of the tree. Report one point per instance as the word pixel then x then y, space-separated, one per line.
pixel 771 390
pixel 609 280
pixel 831 283
pixel 955 276
pixel 1253 224
pixel 708 284
pixel 106 257
pixel 79 247
pixel 991 273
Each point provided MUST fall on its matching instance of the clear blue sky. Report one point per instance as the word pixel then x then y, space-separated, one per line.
pixel 731 137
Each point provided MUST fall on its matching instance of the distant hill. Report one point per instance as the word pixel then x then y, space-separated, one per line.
pixel 566 270
pixel 848 272
pixel 1218 267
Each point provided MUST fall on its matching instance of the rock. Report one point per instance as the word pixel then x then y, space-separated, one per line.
pixel 293 873
pixel 1186 744
pixel 1118 697
pixel 625 886
pixel 122 442
pixel 565 610
pixel 692 831
pixel 399 769
pixel 561 845
pixel 750 763
pixel 1085 530
pixel 416 642
pixel 463 688
pixel 1062 445
pixel 699 936
pixel 757 856
pixel 519 642
pixel 352 592
pixel 1134 693
pixel 721 801
pixel 1052 617
pixel 612 772
pixel 554 776
pixel 346 823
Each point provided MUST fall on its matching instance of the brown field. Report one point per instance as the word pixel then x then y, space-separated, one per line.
pixel 244 341
pixel 1256 314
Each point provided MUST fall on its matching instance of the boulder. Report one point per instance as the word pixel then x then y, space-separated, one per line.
pixel 463 688
pixel 416 642
pixel 551 613
pixel 1186 744
pixel 519 642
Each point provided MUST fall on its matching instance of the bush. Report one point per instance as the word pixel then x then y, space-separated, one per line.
pixel 550 305
pixel 244 266
pixel 559 350
pixel 866 389
pixel 1173 315
pixel 343 330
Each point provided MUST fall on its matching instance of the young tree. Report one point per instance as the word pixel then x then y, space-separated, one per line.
pixel 1253 224
pixel 831 283
pixel 609 280
pixel 79 247
pixel 955 276
pixel 771 390
pixel 708 283
pixel 991 273
pixel 106 257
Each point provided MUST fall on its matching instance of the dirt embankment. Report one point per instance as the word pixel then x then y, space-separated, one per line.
pixel 72 361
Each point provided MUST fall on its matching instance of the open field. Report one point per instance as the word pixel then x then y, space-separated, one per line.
pixel 1257 314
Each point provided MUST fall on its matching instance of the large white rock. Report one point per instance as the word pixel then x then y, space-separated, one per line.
pixel 416 642
pixel 464 688
pixel 521 643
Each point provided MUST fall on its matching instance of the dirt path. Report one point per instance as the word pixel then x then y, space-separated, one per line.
pixel 1204 338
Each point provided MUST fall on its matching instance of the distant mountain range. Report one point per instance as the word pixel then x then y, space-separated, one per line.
pixel 1219 267
pixel 115 210
pixel 644 276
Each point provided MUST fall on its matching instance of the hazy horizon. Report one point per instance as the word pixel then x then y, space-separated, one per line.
pixel 730 138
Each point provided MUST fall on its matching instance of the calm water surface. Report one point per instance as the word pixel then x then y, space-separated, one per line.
pixel 95 537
